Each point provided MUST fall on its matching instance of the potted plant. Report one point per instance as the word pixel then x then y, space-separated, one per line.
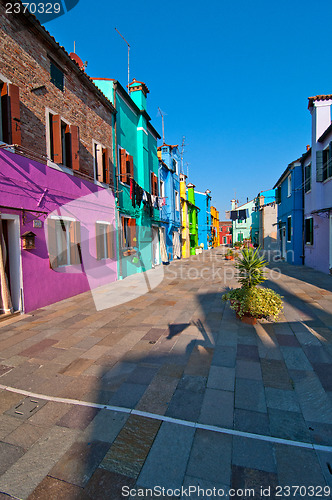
pixel 229 254
pixel 251 302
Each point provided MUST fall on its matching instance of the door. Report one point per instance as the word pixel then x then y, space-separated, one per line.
pixel 11 263
pixel 155 246
pixel 283 243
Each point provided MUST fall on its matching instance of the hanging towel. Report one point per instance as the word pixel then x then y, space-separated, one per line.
pixel 176 245
pixel 139 195
pixel 145 196
pixel 133 187
pixel 234 215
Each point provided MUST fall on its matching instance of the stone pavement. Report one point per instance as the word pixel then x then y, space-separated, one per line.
pixel 168 389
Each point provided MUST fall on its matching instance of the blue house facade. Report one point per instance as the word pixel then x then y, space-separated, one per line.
pixel 289 198
pixel 169 193
pixel 203 202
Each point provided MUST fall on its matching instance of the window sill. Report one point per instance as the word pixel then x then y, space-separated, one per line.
pixel 101 184
pixel 61 168
pixel 307 192
pixel 327 180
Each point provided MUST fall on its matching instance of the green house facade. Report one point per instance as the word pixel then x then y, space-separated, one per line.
pixel 136 178
pixel 192 218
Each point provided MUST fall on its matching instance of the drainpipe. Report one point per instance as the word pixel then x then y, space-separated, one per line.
pixel 302 184
pixel 117 208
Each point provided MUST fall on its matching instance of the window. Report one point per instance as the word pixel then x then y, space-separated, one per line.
pixel 126 167
pixel 154 184
pixel 309 231
pixel 162 188
pixel 307 178
pixel 57 76
pixel 10 129
pixel 64 142
pixel 289 228
pixel 175 166
pixel 177 203
pixel 289 185
pixel 327 163
pixel 101 163
pixel 64 242
pixel 129 239
pixel 104 240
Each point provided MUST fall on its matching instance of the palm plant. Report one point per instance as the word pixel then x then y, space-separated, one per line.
pixel 251 268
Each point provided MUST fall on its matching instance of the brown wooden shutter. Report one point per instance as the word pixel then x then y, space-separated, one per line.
pixel 11 122
pixel 52 249
pixel 132 232
pixel 56 137
pixel 155 185
pixel 110 237
pixel 99 161
pixel 106 165
pixel 75 147
pixel 99 241
pixel 123 165
pixel 131 167
pixel 75 242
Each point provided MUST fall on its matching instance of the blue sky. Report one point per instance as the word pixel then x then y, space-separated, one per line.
pixel 232 77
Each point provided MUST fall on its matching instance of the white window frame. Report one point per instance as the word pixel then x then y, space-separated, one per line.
pixel 289 185
pixel 104 225
pixel 95 164
pixel 177 201
pixel 161 188
pixel 50 162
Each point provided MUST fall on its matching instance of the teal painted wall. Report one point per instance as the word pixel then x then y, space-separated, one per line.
pixel 242 227
pixel 134 136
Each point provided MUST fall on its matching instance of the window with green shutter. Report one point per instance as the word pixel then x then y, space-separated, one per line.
pixel 309 231
pixel 307 178
pixel 319 166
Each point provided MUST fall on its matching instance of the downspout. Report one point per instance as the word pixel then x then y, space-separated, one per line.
pixel 117 208
pixel 303 220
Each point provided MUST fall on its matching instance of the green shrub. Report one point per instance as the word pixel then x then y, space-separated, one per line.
pixel 251 267
pixel 256 302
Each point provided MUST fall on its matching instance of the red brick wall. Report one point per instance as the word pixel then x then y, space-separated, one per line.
pixel 25 62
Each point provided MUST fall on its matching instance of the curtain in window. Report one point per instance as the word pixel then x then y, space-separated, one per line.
pixel 5 299
pixel 176 245
pixel 163 249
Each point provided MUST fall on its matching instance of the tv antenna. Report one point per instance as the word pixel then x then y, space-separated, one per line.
pixel 182 151
pixel 162 121
pixel 128 55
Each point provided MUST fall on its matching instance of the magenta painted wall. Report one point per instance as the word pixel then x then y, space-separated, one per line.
pixel 27 184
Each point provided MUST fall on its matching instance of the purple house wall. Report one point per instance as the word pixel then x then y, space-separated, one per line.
pixel 27 186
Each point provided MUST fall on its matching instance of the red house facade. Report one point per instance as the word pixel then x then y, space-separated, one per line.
pixel 225 232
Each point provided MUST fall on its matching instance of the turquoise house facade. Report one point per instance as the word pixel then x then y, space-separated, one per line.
pixel 136 178
pixel 242 227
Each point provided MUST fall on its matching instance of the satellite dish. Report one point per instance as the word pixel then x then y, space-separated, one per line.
pixel 77 59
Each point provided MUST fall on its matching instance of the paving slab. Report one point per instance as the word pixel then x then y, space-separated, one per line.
pixel 167 461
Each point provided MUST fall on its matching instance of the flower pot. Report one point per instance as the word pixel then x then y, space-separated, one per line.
pixel 229 257
pixel 248 319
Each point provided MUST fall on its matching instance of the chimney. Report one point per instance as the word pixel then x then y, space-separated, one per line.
pixel 320 109
pixel 233 204
pixel 308 147
pixel 138 92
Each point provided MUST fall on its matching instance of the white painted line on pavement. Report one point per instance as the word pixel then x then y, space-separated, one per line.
pixel 163 418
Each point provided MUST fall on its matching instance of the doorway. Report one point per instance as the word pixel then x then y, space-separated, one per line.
pixel 155 246
pixel 283 242
pixel 330 264
pixel 11 245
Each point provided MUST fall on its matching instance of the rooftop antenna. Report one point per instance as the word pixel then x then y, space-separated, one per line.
pixel 128 55
pixel 182 151
pixel 74 47
pixel 162 121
